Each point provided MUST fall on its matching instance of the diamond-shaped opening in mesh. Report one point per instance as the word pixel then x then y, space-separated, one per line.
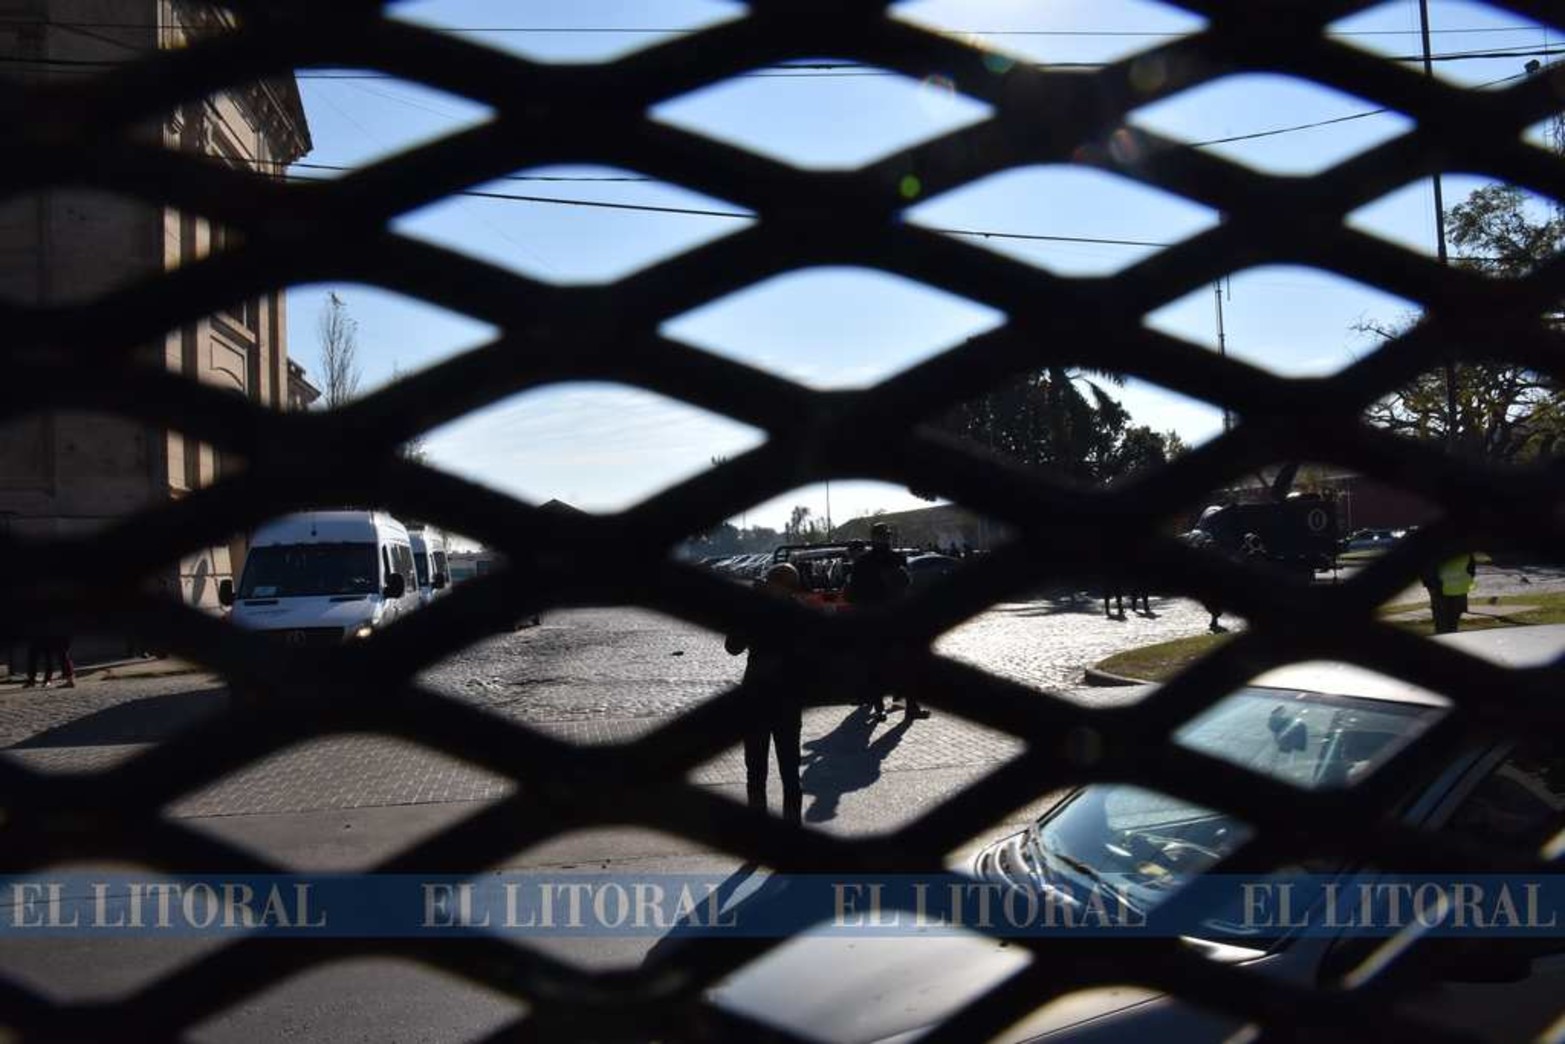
pixel 1549 134
pixel 618 862
pixel 122 704
pixel 591 675
pixel 1291 320
pixel 597 447
pixel 574 225
pixel 824 113
pixel 1303 513
pixel 838 985
pixel 381 998
pixel 360 116
pixel 833 327
pixel 1062 37
pixel 853 763
pixel 1316 725
pixel 590 31
pixel 1084 425
pixel 1048 638
pixel 1471 44
pixel 331 841
pixel 1506 412
pixel 392 335
pixel 1259 119
pixel 336 773
pixel 1491 227
pixel 839 511
pixel 1069 220
pixel 105 965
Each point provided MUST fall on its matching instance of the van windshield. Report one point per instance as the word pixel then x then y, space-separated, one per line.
pixel 296 570
pixel 421 565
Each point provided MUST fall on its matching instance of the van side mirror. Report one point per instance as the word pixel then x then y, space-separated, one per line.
pixel 438 581
pixel 225 592
pixel 396 587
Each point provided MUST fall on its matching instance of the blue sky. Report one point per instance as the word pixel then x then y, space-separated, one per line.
pixel 606 448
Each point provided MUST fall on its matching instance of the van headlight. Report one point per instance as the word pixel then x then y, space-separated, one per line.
pixel 363 630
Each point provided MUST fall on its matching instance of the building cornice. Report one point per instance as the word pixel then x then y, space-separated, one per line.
pixel 273 104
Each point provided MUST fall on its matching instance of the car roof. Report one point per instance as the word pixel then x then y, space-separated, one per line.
pixel 1505 647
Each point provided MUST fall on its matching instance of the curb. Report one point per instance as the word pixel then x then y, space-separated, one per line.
pixel 1103 679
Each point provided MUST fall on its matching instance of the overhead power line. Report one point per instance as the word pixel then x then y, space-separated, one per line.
pixel 808 70
pixel 685 30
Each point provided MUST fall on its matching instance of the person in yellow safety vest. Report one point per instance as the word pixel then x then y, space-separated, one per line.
pixel 1449 582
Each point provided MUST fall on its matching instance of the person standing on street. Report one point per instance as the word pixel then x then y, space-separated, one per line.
pixel 774 679
pixel 880 577
pixel 1449 582
pixel 52 650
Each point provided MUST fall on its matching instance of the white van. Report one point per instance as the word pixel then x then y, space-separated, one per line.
pixel 429 558
pixel 324 577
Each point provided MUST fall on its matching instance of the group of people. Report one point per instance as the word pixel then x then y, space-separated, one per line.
pixel 779 678
pixel 52 651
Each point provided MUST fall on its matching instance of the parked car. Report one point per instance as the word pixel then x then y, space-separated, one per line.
pixel 924 569
pixel 322 577
pixel 1314 725
pixel 1372 539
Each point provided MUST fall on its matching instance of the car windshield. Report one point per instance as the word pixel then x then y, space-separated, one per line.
pixel 295 570
pixel 1144 845
pixel 421 566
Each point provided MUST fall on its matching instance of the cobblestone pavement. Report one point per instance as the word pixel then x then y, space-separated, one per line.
pixel 844 750
pixel 601 676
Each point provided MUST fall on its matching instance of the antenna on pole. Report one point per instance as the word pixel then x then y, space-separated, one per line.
pixel 1222 345
pixel 1440 251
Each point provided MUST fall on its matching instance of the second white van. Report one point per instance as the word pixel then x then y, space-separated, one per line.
pixel 323 577
pixel 429 558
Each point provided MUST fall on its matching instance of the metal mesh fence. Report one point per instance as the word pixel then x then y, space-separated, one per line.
pixel 79 134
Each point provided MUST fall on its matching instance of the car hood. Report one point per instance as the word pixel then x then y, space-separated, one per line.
pixel 857 991
pixel 303 612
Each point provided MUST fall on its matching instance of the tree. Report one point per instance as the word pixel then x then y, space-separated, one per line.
pixel 338 335
pixel 1505 412
pixel 1064 421
pixel 798 525
pixel 1141 447
pixel 413 449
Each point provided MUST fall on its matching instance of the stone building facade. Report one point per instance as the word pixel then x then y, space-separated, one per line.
pixel 68 474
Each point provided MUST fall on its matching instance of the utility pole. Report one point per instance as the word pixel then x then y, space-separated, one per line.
pixel 1222 346
pixel 828 510
pixel 1440 251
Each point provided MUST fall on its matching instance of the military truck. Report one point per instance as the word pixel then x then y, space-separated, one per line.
pixel 1297 531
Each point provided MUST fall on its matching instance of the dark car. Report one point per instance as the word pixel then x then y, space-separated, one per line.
pixel 924 569
pixel 1316 726
pixel 1371 539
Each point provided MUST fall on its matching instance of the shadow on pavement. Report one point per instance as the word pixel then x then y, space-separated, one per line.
pixel 149 720
pixel 1085 603
pixel 846 759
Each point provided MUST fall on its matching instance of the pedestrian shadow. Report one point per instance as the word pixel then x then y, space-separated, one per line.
pixel 149 720
pixel 846 759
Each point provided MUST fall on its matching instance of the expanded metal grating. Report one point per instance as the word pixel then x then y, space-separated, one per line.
pixel 78 134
